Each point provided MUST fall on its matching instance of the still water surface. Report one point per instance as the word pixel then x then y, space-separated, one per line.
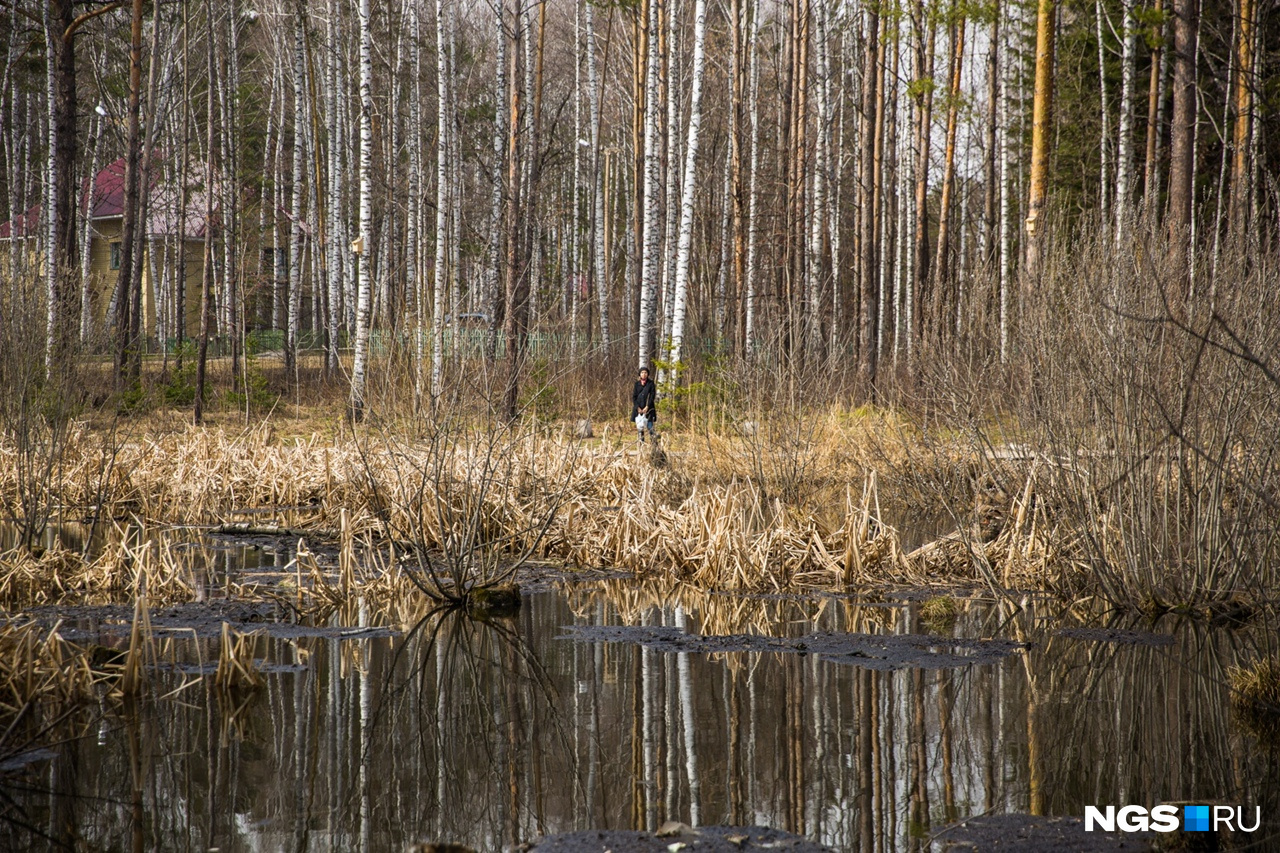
pixel 492 733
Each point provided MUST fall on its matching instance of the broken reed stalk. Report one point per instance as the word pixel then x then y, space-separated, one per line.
pixel 237 668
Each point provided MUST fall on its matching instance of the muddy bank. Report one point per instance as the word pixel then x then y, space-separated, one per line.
pixel 1021 833
pixel 713 839
pixel 1123 636
pixel 198 620
pixel 870 651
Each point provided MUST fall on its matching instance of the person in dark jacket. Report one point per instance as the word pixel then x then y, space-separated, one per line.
pixel 644 399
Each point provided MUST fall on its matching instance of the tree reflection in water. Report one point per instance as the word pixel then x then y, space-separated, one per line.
pixel 492 732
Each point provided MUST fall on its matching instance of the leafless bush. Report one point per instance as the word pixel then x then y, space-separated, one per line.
pixel 1153 415
pixel 36 410
pixel 472 502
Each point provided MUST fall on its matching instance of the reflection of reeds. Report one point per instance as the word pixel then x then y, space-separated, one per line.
pixel 39 668
pixel 1255 697
pixel 237 668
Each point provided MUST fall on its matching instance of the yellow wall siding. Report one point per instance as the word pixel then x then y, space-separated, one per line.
pixel 104 278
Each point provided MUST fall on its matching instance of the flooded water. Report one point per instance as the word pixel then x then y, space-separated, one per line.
pixel 492 733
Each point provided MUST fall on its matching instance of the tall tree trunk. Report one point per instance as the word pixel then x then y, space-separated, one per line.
pixel 737 188
pixel 141 249
pixel 184 193
pixel 206 278
pixel 1104 147
pixel 295 208
pixel 1242 131
pixel 815 266
pixel 86 243
pixel 651 242
pixel 1124 146
pixel 989 160
pixel 868 320
pixel 1186 29
pixel 493 283
pixel 1041 128
pixel 53 202
pixel 128 309
pixel 516 323
pixel 944 299
pixel 753 191
pixel 440 269
pixel 335 246
pixel 690 180
pixel 413 249
pixel 1006 226
pixel 60 24
pixel 600 278
pixel 796 150
pixel 1154 98
pixel 360 362
pixel 926 40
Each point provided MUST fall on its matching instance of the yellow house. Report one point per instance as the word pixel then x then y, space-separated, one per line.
pixel 167 229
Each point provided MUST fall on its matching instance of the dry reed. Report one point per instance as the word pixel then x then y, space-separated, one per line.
pixel 794 504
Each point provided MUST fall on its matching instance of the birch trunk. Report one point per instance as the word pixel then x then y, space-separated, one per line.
pixel 440 274
pixel 599 279
pixel 681 294
pixel 1006 233
pixel 753 195
pixel 295 206
pixel 1104 148
pixel 869 317
pixel 651 242
pixel 413 252
pixel 53 254
pixel 335 247
pixel 493 290
pixel 1124 144
pixel 361 356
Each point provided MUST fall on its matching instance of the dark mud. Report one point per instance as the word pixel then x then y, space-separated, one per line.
pixel 1124 636
pixel 1021 833
pixel 198 620
pixel 886 652
pixel 712 839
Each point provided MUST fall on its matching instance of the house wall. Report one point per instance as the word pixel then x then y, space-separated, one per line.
pixel 103 278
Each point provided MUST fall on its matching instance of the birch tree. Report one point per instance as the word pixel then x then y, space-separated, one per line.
pixel 681 293
pixel 360 362
pixel 296 234
pixel 869 316
pixel 440 275
pixel 1124 144
pixel 651 240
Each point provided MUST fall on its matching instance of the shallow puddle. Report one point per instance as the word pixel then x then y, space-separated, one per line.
pixel 607 706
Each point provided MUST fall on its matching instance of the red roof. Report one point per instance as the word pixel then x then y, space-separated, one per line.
pixel 108 203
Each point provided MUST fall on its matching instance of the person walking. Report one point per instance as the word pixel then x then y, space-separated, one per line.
pixel 644 399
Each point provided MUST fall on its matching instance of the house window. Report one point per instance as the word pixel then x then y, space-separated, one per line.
pixel 275 262
pixel 115 256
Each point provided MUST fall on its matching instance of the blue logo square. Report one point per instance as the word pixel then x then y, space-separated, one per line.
pixel 1195 818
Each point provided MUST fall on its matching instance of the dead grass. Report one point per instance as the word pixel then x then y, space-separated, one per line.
pixel 1255 698
pixel 794 502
